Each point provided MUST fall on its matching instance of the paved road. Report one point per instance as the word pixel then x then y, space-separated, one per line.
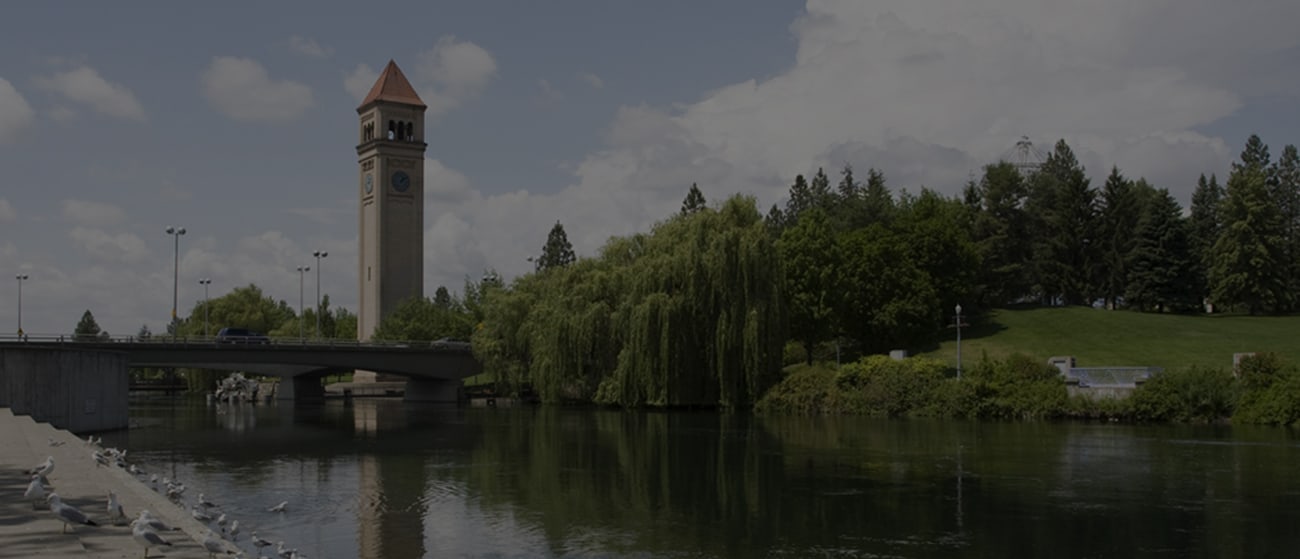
pixel 77 479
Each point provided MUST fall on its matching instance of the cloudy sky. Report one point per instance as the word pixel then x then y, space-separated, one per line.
pixel 237 121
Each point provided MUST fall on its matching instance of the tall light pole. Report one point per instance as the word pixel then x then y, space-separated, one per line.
pixel 319 255
pixel 302 270
pixel 205 282
pixel 21 279
pixel 958 309
pixel 176 233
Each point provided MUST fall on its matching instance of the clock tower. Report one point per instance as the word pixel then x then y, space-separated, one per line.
pixel 390 190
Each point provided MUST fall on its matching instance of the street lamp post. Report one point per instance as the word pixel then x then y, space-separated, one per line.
pixel 176 233
pixel 319 255
pixel 21 279
pixel 958 309
pixel 302 270
pixel 205 282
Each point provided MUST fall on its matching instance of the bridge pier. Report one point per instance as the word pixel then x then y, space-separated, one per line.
pixel 432 390
pixel 300 389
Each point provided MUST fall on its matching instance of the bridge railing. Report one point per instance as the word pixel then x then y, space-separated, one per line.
pixel 212 341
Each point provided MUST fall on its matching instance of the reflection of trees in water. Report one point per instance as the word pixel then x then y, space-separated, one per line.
pixel 735 486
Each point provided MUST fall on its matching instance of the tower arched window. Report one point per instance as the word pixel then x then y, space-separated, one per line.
pixel 392 130
pixel 401 131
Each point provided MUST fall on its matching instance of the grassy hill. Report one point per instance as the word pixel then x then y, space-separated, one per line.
pixel 1122 338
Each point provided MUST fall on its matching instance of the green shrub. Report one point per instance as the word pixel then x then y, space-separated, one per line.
pixel 805 390
pixel 1196 394
pixel 889 386
pixel 1270 391
pixel 1017 387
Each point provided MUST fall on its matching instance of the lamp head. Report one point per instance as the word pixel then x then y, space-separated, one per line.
pixel 958 308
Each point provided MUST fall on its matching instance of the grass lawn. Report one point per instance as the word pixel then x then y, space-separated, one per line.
pixel 1122 338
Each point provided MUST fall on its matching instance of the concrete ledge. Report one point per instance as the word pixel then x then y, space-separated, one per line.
pixel 28 532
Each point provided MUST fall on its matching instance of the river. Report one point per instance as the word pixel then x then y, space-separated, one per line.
pixel 379 478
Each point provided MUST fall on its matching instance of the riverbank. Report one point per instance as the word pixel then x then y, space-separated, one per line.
pixel 82 483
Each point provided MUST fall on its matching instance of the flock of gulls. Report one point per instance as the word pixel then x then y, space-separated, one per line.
pixel 146 529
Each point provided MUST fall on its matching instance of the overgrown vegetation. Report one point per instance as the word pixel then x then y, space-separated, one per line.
pixel 1263 391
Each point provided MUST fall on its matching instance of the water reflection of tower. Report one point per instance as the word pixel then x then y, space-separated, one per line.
pixel 391 486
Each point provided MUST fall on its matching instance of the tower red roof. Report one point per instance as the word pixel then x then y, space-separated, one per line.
pixel 392 86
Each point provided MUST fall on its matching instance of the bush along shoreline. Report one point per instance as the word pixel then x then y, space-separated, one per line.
pixel 1264 390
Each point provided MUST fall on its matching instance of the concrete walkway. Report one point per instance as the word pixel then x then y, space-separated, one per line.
pixel 80 482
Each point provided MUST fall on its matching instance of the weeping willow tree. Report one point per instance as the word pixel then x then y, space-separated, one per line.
pixel 688 315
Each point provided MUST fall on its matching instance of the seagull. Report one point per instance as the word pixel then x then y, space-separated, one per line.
pixel 283 506
pixel 214 545
pixel 260 541
pixel 151 522
pixel 204 502
pixel 234 530
pixel 67 513
pixel 153 479
pixel 199 515
pixel 35 491
pixel 115 513
pixel 44 469
pixel 284 552
pixel 142 535
pixel 221 521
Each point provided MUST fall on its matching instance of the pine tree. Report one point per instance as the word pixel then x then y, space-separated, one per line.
pixel 1161 259
pixel 1248 264
pixel 87 329
pixel 1205 226
pixel 1001 233
pixel 1286 194
pixel 1119 217
pixel 878 202
pixel 557 252
pixel 822 195
pixel 694 201
pixel 442 298
pixel 800 200
pixel 1063 211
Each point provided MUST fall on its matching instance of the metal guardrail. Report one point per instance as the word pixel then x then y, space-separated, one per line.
pixel 1102 377
pixel 212 341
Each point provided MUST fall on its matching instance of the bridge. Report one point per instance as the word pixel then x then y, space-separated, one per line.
pixel 92 375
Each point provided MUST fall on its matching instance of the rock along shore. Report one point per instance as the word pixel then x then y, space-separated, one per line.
pixel 82 483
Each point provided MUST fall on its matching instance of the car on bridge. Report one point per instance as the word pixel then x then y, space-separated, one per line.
pixel 240 336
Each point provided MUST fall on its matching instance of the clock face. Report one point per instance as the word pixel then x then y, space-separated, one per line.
pixel 401 181
pixel 370 183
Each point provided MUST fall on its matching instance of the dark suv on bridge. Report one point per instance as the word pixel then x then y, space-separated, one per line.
pixel 240 336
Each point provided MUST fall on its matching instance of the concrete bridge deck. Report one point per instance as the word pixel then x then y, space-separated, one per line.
pixel 83 385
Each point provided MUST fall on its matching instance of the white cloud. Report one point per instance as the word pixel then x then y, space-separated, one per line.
pixel 309 47
pixel 15 113
pixel 124 248
pixel 444 185
pixel 926 92
pixel 7 212
pixel 592 79
pixel 241 89
pixel 94 214
pixel 61 114
pixel 84 85
pixel 359 82
pixel 453 71
pixel 548 91
pixel 320 214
